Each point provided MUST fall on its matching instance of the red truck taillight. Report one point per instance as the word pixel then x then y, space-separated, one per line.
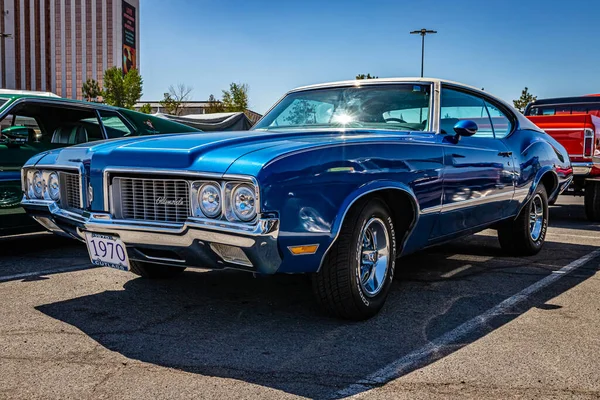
pixel 588 142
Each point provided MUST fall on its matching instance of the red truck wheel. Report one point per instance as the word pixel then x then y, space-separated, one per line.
pixel 592 201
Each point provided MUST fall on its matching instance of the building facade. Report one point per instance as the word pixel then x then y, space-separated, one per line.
pixel 56 45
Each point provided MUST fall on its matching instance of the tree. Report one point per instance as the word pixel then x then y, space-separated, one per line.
pixel 91 90
pixel 168 104
pixel 236 98
pixel 146 108
pixel 367 76
pixel 214 105
pixel 302 112
pixel 525 99
pixel 175 99
pixel 122 90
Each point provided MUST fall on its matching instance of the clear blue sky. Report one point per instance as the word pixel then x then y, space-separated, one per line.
pixel 551 46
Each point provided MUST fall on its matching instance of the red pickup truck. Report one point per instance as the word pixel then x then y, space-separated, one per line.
pixel 575 123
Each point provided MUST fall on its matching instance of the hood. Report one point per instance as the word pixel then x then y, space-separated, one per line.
pixel 211 152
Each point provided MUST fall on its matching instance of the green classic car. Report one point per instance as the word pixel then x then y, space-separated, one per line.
pixel 31 124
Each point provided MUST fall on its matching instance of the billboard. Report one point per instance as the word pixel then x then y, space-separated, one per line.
pixel 129 54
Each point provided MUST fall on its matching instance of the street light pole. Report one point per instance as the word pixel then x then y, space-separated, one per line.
pixel 423 32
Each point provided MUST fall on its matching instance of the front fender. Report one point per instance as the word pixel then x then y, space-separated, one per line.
pixel 371 188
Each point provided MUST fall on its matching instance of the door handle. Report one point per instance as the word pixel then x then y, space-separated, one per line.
pixel 505 154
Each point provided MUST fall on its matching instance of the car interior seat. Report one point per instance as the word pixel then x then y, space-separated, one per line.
pixel 70 134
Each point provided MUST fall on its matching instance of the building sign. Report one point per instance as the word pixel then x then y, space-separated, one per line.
pixel 129 55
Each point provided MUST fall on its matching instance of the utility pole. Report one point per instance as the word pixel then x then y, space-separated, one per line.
pixel 423 32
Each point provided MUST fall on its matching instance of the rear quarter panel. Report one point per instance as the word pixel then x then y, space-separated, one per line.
pixel 535 154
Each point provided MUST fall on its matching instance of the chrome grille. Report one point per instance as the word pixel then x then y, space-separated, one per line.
pixel 144 199
pixel 70 190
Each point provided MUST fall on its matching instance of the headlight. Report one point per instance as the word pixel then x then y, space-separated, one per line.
pixel 209 200
pixel 37 185
pixel 53 186
pixel 243 199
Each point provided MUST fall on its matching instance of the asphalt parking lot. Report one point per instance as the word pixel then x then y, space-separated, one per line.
pixel 462 321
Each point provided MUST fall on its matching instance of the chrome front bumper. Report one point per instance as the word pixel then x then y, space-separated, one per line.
pixel 195 243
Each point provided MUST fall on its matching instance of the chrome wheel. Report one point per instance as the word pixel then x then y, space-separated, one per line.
pixel 536 217
pixel 374 255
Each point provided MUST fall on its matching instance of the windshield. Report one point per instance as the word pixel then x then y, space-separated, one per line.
pixel 391 107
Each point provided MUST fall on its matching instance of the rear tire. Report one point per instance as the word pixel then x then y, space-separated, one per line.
pixel 154 271
pixel 525 235
pixel 357 273
pixel 592 201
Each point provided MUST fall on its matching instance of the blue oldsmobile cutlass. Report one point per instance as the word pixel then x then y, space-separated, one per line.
pixel 337 180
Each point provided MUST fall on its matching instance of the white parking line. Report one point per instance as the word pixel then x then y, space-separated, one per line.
pixel 456 271
pixel 412 360
pixel 46 272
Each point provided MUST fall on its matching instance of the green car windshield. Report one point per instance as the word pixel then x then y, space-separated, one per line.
pixel 388 106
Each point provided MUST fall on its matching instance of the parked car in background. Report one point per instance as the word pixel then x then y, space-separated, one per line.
pixel 36 122
pixel 575 123
pixel 336 180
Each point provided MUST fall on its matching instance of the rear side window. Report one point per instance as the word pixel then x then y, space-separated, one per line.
pixel 491 121
pixel 457 106
pixel 114 125
pixel 500 122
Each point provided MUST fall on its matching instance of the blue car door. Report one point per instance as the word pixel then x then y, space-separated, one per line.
pixel 478 182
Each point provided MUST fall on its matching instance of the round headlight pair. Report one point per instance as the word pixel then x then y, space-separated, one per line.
pixel 243 202
pixel 52 185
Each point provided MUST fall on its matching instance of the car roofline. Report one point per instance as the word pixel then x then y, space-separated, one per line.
pixel 58 100
pixel 363 82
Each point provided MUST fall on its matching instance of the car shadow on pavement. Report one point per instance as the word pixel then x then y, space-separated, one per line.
pixel 571 216
pixel 269 331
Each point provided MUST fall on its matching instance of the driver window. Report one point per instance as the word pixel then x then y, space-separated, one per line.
pixel 457 106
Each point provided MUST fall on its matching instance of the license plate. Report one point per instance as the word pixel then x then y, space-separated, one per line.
pixel 107 251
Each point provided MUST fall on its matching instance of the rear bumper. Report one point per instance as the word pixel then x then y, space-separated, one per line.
pixel 583 169
pixel 191 244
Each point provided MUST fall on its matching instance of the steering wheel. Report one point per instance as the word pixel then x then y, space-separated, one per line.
pixel 392 119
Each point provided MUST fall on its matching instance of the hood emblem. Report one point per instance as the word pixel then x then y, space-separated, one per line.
pixel 163 201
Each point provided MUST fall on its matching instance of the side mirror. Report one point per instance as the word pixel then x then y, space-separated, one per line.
pixel 465 127
pixel 15 135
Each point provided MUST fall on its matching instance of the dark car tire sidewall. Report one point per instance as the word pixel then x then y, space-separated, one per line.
pixel 540 241
pixel 372 304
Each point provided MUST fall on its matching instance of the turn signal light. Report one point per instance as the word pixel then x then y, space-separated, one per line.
pixel 306 249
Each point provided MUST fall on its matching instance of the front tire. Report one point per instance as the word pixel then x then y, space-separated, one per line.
pixel 154 271
pixel 357 273
pixel 592 201
pixel 525 235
